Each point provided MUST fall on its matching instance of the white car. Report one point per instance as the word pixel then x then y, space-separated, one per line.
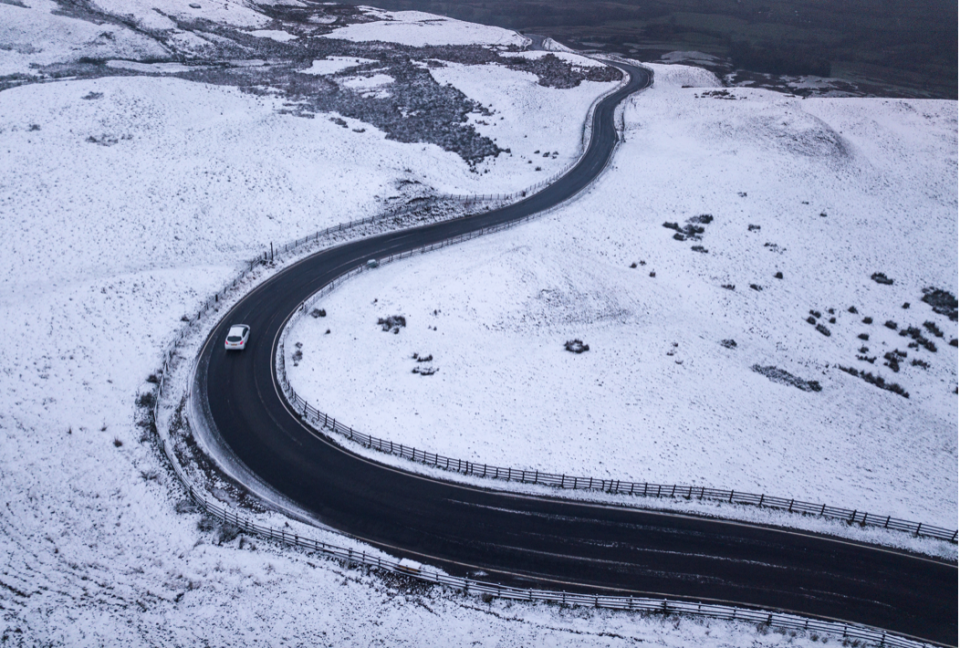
pixel 237 337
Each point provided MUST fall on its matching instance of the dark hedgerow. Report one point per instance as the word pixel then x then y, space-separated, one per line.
pixel 877 381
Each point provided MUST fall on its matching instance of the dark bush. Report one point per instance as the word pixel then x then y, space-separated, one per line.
pixel 868 320
pixel 576 346
pixel 811 320
pixel 779 275
pixel 146 399
pixel 942 302
pixel 833 320
pixel 852 309
pixel 756 287
pixel 864 336
pixel 890 324
pixel 876 380
pixel 881 278
pixel 933 328
pixel 729 286
pixel 318 312
pixel 395 322
pixel 823 329
pixel 753 228
pixel 815 313
pixel 906 305
pixel 700 249
pixel 729 344
pixel 153 378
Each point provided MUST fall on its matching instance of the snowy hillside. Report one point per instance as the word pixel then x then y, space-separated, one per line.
pixel 720 272
pixel 148 149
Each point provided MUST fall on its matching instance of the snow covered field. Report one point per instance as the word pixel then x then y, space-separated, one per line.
pixel 124 202
pixel 680 384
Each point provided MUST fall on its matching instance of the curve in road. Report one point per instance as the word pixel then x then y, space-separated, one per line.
pixel 536 541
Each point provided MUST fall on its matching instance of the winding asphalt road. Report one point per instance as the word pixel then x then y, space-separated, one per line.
pixel 535 541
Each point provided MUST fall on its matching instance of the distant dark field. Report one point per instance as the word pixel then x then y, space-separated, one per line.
pixel 894 47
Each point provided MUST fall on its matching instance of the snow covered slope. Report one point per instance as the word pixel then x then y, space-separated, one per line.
pixel 702 368
pixel 129 192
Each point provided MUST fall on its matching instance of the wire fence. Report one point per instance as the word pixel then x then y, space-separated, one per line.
pixel 654 606
pixel 322 421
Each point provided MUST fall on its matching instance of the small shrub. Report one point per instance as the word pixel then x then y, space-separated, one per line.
pixel 318 312
pixel 833 320
pixel 830 310
pixel 394 322
pixel 868 320
pixel 653 274
pixel 117 442
pixel 729 344
pixel 942 302
pixel 633 265
pixel 779 275
pixel 916 362
pixel 823 329
pixel 679 237
pixel 729 286
pixel 753 228
pixel 146 399
pixel 864 349
pixel 756 287
pixel 228 532
pixel 153 378
pixel 953 342
pixel 700 249
pixel 852 309
pixel 890 324
pixel 576 346
pixel 882 279
pixel 933 328
pixel 673 226
pixel 811 320
pixel 815 313
pixel 906 305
